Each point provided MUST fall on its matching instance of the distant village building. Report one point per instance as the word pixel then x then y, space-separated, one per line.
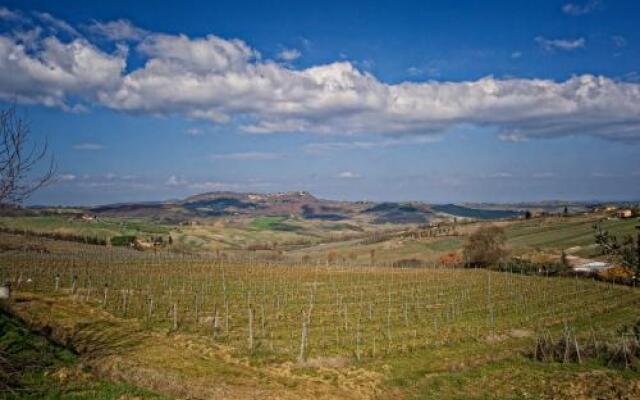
pixel 584 265
pixel 624 213
pixel 5 291
pixel 593 266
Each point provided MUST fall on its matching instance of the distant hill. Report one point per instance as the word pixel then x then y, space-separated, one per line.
pixel 476 213
pixel 305 206
pixel 286 204
pixel 220 204
pixel 404 213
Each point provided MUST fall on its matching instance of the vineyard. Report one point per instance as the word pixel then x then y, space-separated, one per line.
pixel 306 311
pixel 401 323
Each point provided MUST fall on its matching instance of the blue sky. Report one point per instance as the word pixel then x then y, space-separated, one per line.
pixel 477 101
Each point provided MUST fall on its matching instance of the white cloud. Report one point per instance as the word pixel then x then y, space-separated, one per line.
pixel 246 156
pixel 194 132
pixel 512 137
pixel 415 71
pixel 501 175
pixel 543 175
pixel 55 24
pixel 619 41
pixel 226 81
pixel 349 175
pixel 88 146
pixel 581 9
pixel 289 55
pixel 328 147
pixel 173 180
pixel 67 177
pixel 561 44
pixel 56 70
pixel 214 186
pixel 516 54
pixel 7 14
pixel 118 30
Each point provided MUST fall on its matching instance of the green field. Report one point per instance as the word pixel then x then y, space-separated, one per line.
pixel 557 233
pixel 103 228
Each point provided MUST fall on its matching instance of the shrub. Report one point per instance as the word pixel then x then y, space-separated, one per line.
pixel 409 263
pixel 528 267
pixel 124 240
pixel 485 247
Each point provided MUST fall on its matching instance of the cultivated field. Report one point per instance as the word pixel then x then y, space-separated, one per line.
pixel 312 330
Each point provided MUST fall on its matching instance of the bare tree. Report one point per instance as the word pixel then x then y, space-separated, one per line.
pixel 18 159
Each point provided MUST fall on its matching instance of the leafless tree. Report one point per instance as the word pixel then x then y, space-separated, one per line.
pixel 18 158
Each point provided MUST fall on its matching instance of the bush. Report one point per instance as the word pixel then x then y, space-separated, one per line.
pixel 622 351
pixel 124 240
pixel 69 237
pixel 485 247
pixel 409 263
pixel 528 267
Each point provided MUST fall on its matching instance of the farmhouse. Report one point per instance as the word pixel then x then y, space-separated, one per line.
pixel 585 265
pixel 626 213
pixel 593 266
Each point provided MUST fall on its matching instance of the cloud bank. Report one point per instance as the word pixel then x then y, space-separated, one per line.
pixel 47 61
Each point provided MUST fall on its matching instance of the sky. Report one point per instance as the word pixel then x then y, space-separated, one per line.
pixel 435 101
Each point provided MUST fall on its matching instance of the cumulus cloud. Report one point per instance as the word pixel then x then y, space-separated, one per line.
pixel 576 9
pixel 118 30
pixel 246 156
pixel 289 55
pixel 561 44
pixel 55 24
pixel 88 146
pixel 227 82
pixel 56 70
pixel 7 14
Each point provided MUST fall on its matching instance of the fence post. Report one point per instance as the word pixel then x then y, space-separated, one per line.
pixel 303 339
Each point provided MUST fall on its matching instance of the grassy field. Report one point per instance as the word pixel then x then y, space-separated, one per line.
pixel 103 228
pixel 312 331
pixel 295 238
pixel 558 233
pixel 550 235
pixel 33 367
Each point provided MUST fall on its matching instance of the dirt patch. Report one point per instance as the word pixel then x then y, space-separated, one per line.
pixel 593 385
pixel 520 333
